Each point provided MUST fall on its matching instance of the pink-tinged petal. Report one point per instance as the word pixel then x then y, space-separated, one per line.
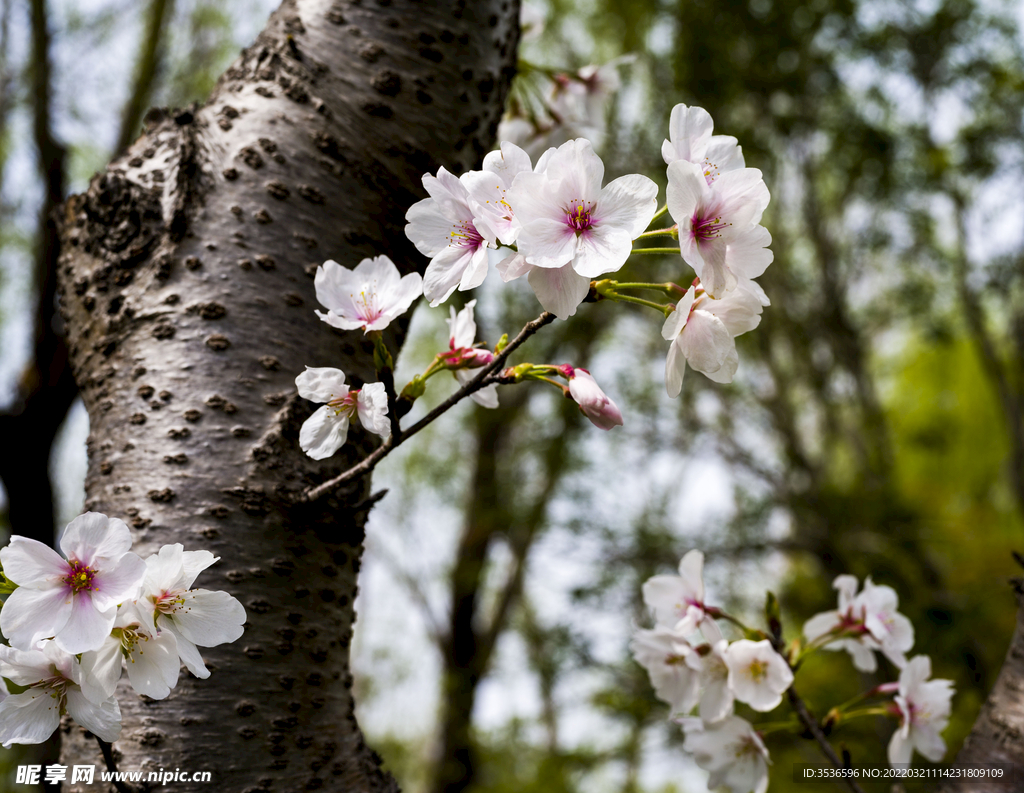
pixel 87 627
pixel 476 271
pixel 33 614
pixel 686 191
pixel 748 255
pixel 153 666
pixel 95 536
pixel 744 196
pixel 103 720
pixel 338 321
pixel 29 717
pixel 629 203
pixel 23 667
pixel 321 384
pixel 689 129
pixel 323 433
pixel 512 267
pixel 118 582
pixel 209 618
pixel 559 290
pixel 397 299
pixel 486 397
pixel 428 229
pixel 706 342
pixel 30 563
pixel 601 250
pixel 444 273
pixel 101 669
pixel 194 562
pixel 165 570
pixel 187 652
pixel 675 368
pixel 547 242
pixel 462 327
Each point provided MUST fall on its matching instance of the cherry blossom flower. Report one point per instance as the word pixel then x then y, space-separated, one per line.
pixel 703 330
pixel 493 215
pixel 690 139
pixel 864 623
pixel 368 297
pixel 924 707
pixel 731 750
pixel 672 664
pixel 568 218
pixel 464 356
pixel 192 616
pixel 73 600
pixel 592 401
pixel 53 678
pixel 757 674
pixel 443 228
pixel 719 235
pixel 323 433
pixel 151 659
pixel 678 601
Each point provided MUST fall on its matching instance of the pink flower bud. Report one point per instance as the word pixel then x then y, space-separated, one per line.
pixel 593 402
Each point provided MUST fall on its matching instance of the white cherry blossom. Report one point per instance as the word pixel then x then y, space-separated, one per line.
pixel 368 297
pixel 924 707
pixel 861 647
pixel 593 402
pixel 464 356
pixel 193 616
pixel 53 678
pixel 323 433
pixel 703 331
pixel 672 664
pixel 719 235
pixel 758 675
pixel 731 750
pixel 717 697
pixel 488 189
pixel 678 601
pixel 75 599
pixel 567 217
pixel 559 290
pixel 443 228
pixel 690 139
pixel 151 659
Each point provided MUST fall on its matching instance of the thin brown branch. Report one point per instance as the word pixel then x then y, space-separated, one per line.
pixel 146 68
pixel 814 728
pixel 108 758
pixel 482 379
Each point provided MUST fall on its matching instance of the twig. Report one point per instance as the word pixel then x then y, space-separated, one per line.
pixel 108 758
pixel 483 378
pixel 815 729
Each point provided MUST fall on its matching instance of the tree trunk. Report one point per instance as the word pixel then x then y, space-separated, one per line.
pixel 186 274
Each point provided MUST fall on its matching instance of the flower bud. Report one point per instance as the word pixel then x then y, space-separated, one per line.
pixel 593 402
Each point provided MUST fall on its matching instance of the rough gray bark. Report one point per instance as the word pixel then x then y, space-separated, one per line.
pixel 187 290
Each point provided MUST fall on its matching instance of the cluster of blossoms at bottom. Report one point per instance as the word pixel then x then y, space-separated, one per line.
pixel 74 621
pixel 693 667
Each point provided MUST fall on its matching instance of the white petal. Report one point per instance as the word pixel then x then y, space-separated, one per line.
pixel 194 562
pixel 602 249
pixel 29 717
pixel 209 618
pixel 28 562
pixel 95 536
pixel 187 651
pixel 103 720
pixel 396 299
pixel 628 203
pixel 101 669
pixel 705 342
pixel 340 321
pixel 689 129
pixel 547 242
pixel 559 290
pixel 686 189
pixel 321 384
pixel 900 749
pixel 23 667
pixel 444 273
pixel 820 624
pixel 675 368
pixel 727 371
pixel 33 614
pixel 748 255
pixel 675 321
pixel 476 272
pixel 165 570
pixel 323 433
pixel 153 666
pixel 118 581
pixel 87 627
pixel 372 409
pixel 428 229
pixel 513 266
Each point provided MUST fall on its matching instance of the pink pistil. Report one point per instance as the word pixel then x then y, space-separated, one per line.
pixel 579 216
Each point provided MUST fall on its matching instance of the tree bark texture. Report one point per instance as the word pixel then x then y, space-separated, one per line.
pixel 186 274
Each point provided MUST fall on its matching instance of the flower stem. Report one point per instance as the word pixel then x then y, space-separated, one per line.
pixel 670 231
pixel 669 289
pixel 655 250
pixel 659 213
pixel 814 728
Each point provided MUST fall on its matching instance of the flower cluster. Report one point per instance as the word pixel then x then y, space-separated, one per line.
pixel 693 667
pixel 74 621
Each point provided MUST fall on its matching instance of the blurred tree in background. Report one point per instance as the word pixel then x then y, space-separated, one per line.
pixel 875 427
